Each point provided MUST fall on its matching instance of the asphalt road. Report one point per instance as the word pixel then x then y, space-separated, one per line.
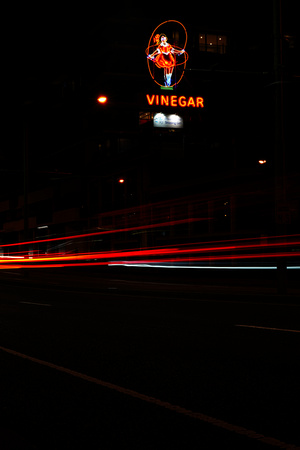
pixel 95 362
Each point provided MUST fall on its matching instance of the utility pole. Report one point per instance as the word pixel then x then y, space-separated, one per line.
pixel 25 181
pixel 280 185
pixel 280 200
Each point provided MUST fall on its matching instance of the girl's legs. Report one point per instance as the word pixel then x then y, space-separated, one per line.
pixel 168 75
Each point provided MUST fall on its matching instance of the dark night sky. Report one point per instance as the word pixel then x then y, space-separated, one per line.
pixel 50 35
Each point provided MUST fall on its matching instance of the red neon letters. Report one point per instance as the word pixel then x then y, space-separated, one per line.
pixel 175 101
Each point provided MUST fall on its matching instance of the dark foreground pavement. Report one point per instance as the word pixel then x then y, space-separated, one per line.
pixel 117 359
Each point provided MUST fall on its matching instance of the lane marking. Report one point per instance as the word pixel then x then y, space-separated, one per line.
pixel 9 272
pixel 169 406
pixel 268 328
pixel 35 303
pixel 171 266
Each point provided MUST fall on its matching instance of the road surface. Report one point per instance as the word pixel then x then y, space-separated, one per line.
pixel 97 362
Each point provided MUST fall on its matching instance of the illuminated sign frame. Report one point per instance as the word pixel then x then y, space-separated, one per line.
pixel 164 55
pixel 161 120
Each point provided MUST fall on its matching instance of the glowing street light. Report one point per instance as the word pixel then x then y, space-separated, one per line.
pixel 121 180
pixel 102 99
pixel 262 161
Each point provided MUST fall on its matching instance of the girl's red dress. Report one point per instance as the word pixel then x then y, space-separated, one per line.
pixel 165 57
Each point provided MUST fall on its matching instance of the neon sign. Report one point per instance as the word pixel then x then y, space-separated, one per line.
pixel 174 101
pixel 164 55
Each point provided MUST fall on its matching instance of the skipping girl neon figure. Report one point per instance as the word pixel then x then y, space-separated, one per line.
pixel 164 58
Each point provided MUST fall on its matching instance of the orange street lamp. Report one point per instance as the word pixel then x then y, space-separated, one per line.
pixel 102 99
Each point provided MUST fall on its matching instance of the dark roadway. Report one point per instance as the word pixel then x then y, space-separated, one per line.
pixel 145 363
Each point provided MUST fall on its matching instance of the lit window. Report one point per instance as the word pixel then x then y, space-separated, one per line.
pixel 145 117
pixel 212 43
pixel 222 44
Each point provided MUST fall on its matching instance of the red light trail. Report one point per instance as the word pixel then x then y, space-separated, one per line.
pixel 273 247
pixel 112 231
